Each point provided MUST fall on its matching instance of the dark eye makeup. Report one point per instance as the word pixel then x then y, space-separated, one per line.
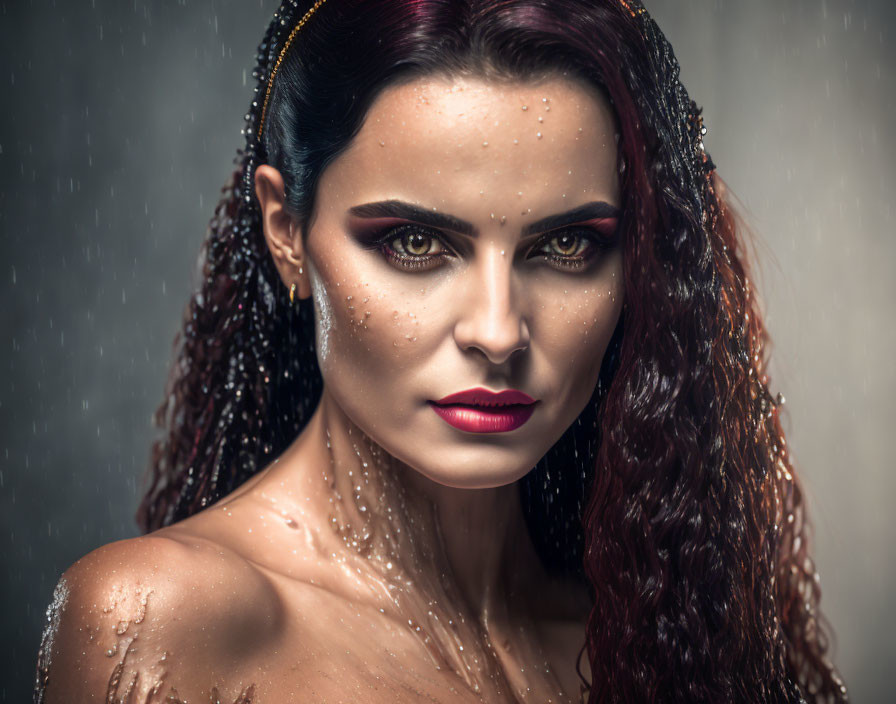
pixel 419 248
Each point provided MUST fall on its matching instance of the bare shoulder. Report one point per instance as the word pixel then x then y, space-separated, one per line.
pixel 147 614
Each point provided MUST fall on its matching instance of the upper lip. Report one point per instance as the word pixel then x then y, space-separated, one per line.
pixel 484 397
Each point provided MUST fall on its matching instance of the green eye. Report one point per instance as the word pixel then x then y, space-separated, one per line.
pixel 572 249
pixel 567 245
pixel 416 244
pixel 412 247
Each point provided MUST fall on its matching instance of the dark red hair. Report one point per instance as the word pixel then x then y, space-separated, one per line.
pixel 673 493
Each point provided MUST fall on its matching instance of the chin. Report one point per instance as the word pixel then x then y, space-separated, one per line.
pixel 474 474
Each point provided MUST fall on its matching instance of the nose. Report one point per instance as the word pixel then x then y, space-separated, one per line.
pixel 491 320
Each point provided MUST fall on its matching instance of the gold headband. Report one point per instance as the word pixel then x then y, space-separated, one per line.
pixel 292 34
pixel 633 13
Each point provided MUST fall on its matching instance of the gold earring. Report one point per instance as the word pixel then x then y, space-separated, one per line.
pixel 292 293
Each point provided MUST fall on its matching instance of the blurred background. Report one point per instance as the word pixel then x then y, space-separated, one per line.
pixel 121 121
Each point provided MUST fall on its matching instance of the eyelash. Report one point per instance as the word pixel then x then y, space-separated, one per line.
pixel 382 241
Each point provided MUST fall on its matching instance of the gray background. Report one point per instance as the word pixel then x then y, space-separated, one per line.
pixel 120 122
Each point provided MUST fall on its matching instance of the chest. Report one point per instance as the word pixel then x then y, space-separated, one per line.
pixel 345 651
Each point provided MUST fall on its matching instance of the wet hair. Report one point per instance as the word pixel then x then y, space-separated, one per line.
pixel 673 494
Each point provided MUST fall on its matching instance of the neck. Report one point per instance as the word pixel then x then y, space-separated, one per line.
pixel 473 541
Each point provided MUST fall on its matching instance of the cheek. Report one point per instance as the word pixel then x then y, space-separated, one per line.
pixel 369 326
pixel 576 330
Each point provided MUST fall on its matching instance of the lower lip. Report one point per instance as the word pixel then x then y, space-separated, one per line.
pixel 476 419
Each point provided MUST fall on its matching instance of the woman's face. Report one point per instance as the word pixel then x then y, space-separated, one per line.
pixel 467 239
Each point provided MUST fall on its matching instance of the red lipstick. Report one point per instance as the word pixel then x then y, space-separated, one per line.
pixel 482 411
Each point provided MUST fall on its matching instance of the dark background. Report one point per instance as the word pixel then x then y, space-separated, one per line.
pixel 120 123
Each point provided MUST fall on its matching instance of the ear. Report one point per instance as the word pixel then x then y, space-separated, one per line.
pixel 281 232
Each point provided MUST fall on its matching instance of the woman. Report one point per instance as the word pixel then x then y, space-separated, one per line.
pixel 465 239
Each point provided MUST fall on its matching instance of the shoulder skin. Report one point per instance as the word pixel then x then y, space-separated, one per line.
pixel 141 616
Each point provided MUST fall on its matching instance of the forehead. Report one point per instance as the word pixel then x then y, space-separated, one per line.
pixel 451 142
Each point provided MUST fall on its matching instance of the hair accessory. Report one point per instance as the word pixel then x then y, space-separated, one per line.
pixel 633 12
pixel 292 34
pixel 292 293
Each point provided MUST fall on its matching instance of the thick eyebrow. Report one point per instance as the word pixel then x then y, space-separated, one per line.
pixel 595 210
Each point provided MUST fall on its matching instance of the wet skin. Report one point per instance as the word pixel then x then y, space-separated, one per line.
pixel 310 582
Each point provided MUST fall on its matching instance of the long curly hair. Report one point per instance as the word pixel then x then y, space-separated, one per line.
pixel 673 494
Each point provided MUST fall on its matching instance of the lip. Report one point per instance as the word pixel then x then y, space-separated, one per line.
pixel 482 411
pixel 483 397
